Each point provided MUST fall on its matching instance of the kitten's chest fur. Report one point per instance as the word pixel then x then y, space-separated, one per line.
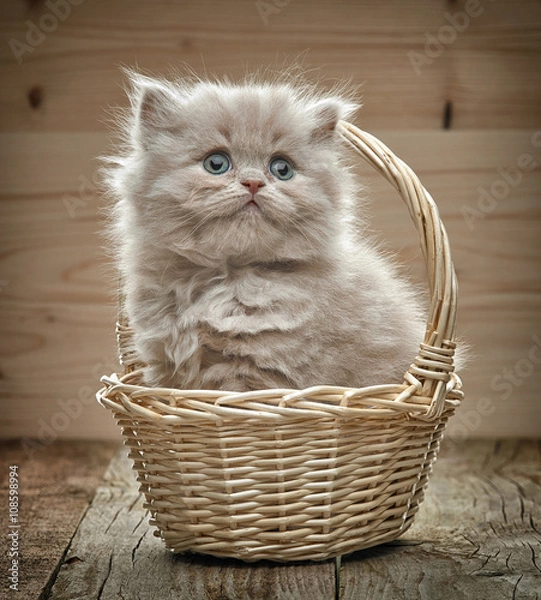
pixel 242 323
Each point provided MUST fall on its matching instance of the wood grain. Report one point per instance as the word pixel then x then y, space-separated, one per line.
pixel 56 485
pixel 483 73
pixel 477 534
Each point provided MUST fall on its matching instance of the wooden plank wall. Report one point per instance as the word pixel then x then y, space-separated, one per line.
pixel 452 87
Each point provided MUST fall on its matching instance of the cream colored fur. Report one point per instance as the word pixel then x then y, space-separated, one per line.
pixel 289 294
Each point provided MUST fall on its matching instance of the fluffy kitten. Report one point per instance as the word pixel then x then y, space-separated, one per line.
pixel 242 262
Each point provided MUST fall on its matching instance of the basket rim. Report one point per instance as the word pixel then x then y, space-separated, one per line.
pixel 124 395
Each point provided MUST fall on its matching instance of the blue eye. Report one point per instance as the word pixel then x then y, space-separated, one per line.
pixel 281 168
pixel 217 163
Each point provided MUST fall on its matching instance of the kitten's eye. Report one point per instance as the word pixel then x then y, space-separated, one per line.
pixel 217 163
pixel 281 168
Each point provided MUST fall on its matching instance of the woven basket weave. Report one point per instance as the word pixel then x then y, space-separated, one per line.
pixel 298 475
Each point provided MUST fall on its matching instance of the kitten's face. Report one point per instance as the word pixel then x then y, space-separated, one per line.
pixel 245 173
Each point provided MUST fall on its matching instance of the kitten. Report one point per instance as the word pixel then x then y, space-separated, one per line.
pixel 243 265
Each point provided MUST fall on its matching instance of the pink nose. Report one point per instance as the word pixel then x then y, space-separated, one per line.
pixel 253 185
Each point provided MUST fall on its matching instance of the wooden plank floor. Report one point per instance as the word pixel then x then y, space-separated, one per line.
pixel 477 535
pixel 56 485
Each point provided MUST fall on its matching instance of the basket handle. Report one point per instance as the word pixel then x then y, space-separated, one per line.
pixel 434 365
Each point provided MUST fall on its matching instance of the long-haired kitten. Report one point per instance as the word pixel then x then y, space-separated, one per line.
pixel 242 261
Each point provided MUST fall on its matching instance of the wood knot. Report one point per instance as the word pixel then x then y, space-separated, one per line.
pixel 35 96
pixel 448 115
pixel 34 4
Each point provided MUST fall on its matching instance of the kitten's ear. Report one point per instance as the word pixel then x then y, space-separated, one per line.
pixel 327 113
pixel 156 105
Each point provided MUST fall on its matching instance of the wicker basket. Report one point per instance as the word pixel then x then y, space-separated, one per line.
pixel 298 475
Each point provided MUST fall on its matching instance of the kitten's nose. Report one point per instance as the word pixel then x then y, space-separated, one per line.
pixel 253 185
